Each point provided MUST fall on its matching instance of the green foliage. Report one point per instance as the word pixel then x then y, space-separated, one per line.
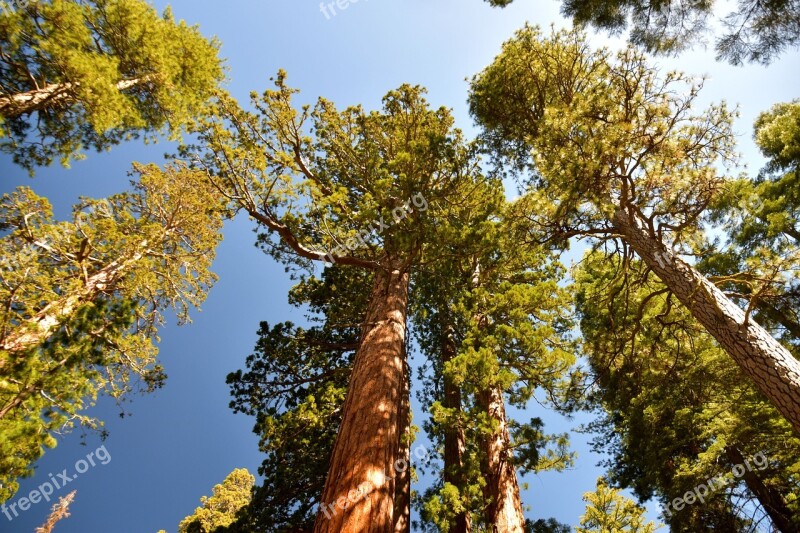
pixel 82 301
pixel 356 188
pixel 104 70
pixel 350 187
pixel 672 404
pixel 219 511
pixel 756 262
pixel 755 31
pixel 607 511
pixel 501 307
pixel 601 132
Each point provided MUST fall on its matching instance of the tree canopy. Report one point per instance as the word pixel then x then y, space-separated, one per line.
pixel 755 31
pixel 675 333
pixel 82 300
pixel 80 74
pixel 219 510
pixel 618 155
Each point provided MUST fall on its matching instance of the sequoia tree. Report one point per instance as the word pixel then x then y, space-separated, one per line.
pixel 294 386
pixel 361 189
pixel 620 156
pixel 88 74
pixel 493 321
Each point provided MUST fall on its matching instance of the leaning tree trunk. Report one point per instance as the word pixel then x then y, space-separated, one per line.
pixel 454 438
pixel 774 370
pixel 504 509
pixel 360 488
pixel 770 499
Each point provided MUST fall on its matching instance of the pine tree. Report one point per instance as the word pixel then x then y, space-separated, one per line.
pixel 756 31
pixel 619 156
pixel 755 263
pixel 676 412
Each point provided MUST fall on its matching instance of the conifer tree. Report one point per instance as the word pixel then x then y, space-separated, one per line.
pixel 219 510
pixel 676 412
pixel 79 74
pixel 294 385
pixel 755 31
pixel 493 321
pixel 82 300
pixel 619 156
pixel 607 511
pixel 359 189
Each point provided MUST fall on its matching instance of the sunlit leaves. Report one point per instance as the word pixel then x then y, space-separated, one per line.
pixel 89 74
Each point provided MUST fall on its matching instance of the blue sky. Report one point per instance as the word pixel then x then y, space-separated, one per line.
pixel 182 440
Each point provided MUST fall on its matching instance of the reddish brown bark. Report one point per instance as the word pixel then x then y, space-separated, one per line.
pixel 454 438
pixel 504 509
pixel 360 488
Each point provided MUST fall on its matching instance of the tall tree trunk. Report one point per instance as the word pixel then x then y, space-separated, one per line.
pixel 402 494
pixel 19 104
pixel 504 510
pixel 770 499
pixel 363 462
pixel 454 438
pixel 771 366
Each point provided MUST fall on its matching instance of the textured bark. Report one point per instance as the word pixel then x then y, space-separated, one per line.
pixel 19 104
pixel 454 438
pixel 367 447
pixel 770 499
pixel 504 509
pixel 402 494
pixel 771 366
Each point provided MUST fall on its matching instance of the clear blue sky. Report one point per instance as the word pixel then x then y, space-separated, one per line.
pixel 182 440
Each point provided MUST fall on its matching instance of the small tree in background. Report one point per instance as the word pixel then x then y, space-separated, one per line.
pixel 608 511
pixel 219 510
